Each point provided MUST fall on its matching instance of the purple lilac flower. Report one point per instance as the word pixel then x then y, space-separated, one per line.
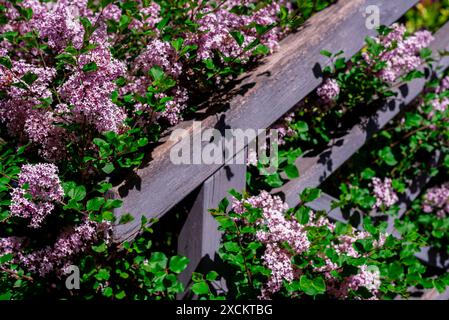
pixel 436 200
pixel 440 104
pixel 55 258
pixel 42 183
pixel 90 92
pixel 384 192
pixel 368 278
pixel 401 54
pixel 279 230
pixel 329 90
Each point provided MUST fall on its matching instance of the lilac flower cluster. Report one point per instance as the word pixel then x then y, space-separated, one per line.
pixel 329 90
pixel 436 200
pixel 161 54
pixel 90 92
pixel 440 103
pixel 150 16
pixel 54 258
pixel 368 278
pixel 216 25
pixel 384 192
pixel 401 54
pixel 60 24
pixel 85 97
pixel 214 35
pixel 278 230
pixel 18 109
pixel 41 182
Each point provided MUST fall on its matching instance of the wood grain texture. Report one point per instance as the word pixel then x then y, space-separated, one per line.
pixel 261 97
pixel 314 170
pixel 200 238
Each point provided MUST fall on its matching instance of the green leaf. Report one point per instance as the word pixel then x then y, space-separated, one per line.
pixel 302 215
pixel 238 37
pixel 157 261
pixel 27 13
pixel 223 205
pixel 142 142
pixel 100 248
pixel 312 287
pixel 29 78
pixel 326 53
pixel 108 292
pixel 89 67
pixel 6 258
pixel 6 62
pixel 108 216
pixel 415 74
pixel 212 276
pixel 73 191
pixel 105 3
pixel 387 156
pixel 231 246
pixel 301 127
pixel 200 288
pixel 319 285
pixel 103 187
pixel 102 274
pixel 178 264
pixel 413 119
pixel 126 218
pixel 95 204
pixel 261 50
pixel 274 180
pixel 124 22
pixel 101 143
pixel 4 215
pixel 395 270
pixel 108 168
pixel 310 194
pixel 291 171
pixel 425 53
pixel 121 295
pixel 157 73
pixel 340 63
pixel 368 174
pixel 177 44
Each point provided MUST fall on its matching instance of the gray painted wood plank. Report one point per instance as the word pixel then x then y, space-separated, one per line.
pixel 200 238
pixel 262 96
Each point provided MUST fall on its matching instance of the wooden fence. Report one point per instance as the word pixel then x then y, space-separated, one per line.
pixel 259 99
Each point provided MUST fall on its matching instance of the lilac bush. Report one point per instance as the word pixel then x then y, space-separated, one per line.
pixel 42 183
